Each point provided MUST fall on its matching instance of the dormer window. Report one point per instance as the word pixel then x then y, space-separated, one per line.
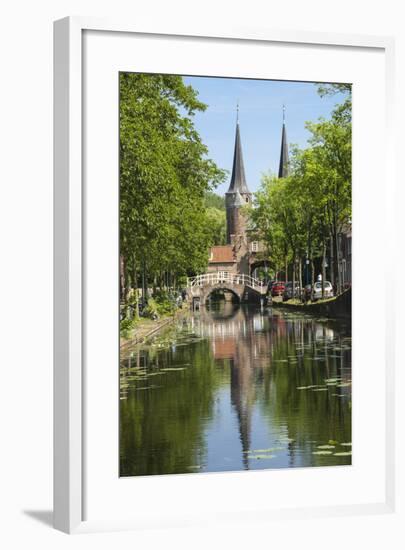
pixel 255 246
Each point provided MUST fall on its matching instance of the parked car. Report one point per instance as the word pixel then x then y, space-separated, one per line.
pixel 288 291
pixel 277 288
pixel 317 290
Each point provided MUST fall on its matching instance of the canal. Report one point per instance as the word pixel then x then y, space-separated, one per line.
pixel 237 388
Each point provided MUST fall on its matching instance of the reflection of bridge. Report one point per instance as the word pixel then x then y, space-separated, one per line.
pixel 244 287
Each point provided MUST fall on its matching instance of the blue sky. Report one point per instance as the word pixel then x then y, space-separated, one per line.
pixel 260 119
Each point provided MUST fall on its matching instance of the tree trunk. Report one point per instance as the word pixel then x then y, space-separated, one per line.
pixel 312 277
pixel 323 267
pixel 293 275
pixel 300 278
pixel 122 278
pixel 135 288
pixel 144 284
pixel 332 260
pixel 338 256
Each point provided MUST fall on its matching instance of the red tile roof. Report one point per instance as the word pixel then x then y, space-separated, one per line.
pixel 221 254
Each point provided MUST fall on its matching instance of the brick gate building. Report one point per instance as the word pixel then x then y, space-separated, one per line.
pixel 242 253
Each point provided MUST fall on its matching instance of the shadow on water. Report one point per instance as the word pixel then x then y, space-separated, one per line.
pixel 237 387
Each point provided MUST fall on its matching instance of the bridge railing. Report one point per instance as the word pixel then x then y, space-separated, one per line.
pixel 225 277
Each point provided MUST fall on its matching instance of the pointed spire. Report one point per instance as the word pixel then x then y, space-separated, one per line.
pixel 238 179
pixel 283 167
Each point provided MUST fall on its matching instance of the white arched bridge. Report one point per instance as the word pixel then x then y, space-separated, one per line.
pixel 244 287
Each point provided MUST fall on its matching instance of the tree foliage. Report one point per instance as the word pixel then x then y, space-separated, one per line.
pixel 214 200
pixel 165 175
pixel 300 216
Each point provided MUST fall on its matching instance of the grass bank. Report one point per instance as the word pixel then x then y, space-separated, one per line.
pixel 144 328
pixel 340 306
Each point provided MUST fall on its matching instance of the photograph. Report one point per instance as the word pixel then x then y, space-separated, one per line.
pixel 235 274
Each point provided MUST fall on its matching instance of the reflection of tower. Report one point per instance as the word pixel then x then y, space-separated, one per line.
pixel 242 398
pixel 237 196
pixel 283 167
pixel 236 337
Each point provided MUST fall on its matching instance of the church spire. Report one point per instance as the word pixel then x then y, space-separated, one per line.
pixel 238 179
pixel 283 167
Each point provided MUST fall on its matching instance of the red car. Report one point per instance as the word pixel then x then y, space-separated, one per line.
pixel 277 288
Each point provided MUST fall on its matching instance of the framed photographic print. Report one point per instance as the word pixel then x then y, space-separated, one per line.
pixel 235 316
pixel 213 249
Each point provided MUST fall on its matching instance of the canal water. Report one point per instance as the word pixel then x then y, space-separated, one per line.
pixel 237 388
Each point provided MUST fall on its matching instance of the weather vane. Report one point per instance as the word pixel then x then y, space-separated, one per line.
pixel 283 113
pixel 237 111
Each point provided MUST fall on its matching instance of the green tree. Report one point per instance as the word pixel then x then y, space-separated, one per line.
pixel 300 217
pixel 216 225
pixel 331 147
pixel 214 200
pixel 164 177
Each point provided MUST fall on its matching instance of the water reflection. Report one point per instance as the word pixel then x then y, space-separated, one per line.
pixel 234 388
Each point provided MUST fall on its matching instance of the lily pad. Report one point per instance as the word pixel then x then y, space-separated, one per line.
pixel 321 452
pixel 325 446
pixel 348 453
pixel 272 449
pixel 173 369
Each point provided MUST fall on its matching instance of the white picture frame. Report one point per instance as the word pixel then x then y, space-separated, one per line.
pixel 70 436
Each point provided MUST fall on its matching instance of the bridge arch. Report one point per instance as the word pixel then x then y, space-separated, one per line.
pixel 244 287
pixel 222 288
pixel 257 265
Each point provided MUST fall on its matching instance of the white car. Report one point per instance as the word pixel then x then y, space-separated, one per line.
pixel 317 291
